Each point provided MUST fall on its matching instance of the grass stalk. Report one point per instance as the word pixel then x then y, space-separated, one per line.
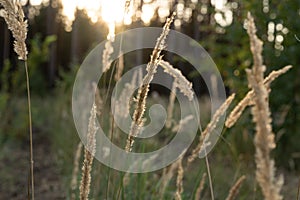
pixel 75 170
pixel 209 178
pixel 235 188
pixel 30 132
pixel 13 15
pixel 209 129
pixel 248 99
pixel 144 88
pixel 179 180
pixel 89 153
pixel 264 139
pixel 200 187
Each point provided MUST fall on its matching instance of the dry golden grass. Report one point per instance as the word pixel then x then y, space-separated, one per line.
pixel 209 128
pixel 248 99
pixel 89 153
pixel 14 18
pixel 144 88
pixel 180 81
pixel 264 137
pixel 257 97
pixel 75 172
pixel 200 187
pixel 235 188
pixel 179 180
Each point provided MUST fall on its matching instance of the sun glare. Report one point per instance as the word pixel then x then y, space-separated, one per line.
pixel 110 11
pixel 113 11
pixel 147 13
pixel 35 2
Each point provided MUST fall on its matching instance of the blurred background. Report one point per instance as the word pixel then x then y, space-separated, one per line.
pixel 61 34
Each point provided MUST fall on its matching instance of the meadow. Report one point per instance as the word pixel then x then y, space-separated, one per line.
pixel 43 157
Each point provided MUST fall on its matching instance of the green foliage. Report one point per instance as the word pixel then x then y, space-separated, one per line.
pixel 230 50
pixel 286 90
pixel 14 119
pixel 284 98
pixel 59 123
pixel 37 66
pixel 13 106
pixel 4 92
pixel 231 53
pixel 37 60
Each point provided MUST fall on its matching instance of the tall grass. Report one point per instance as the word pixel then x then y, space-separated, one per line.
pixel 139 111
pixel 89 154
pixel 257 98
pixel 264 138
pixel 14 18
pixel 235 188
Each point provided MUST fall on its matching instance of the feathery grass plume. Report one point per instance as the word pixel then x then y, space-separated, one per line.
pixel 106 56
pixel 209 128
pixel 98 99
pixel 235 188
pixel 167 175
pixel 89 153
pixel 170 108
pixel 122 104
pixel 75 170
pixel 144 88
pixel 248 99
pixel 182 83
pixel 179 183
pixel 200 187
pixel 275 74
pixel 183 122
pixel 120 67
pixel 14 18
pixel 264 137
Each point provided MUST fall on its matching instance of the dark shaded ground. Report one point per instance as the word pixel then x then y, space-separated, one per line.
pixel 14 171
pixel 49 183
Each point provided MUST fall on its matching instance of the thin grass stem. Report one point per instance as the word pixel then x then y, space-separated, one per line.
pixel 30 132
pixel 209 179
